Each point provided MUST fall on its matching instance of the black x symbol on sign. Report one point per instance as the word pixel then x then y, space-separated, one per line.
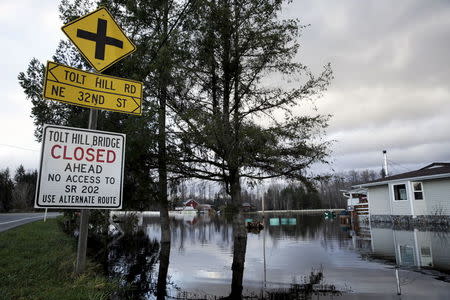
pixel 100 38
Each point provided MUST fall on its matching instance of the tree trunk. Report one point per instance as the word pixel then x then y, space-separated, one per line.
pixel 162 151
pixel 235 189
pixel 164 253
pixel 164 257
pixel 239 250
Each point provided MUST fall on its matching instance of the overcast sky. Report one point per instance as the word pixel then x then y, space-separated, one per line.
pixel 390 61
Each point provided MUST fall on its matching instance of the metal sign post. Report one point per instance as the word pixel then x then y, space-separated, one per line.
pixel 81 169
pixel 84 218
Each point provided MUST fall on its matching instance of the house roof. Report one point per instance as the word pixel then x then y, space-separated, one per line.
pixel 189 200
pixel 432 171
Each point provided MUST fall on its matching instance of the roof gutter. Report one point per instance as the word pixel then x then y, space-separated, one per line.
pixel 428 177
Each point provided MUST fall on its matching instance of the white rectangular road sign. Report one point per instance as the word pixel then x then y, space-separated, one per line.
pixel 80 168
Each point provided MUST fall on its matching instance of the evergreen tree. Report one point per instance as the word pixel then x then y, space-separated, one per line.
pixel 6 190
pixel 24 188
pixel 234 123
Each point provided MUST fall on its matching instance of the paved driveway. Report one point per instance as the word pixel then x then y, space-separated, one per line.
pixel 8 221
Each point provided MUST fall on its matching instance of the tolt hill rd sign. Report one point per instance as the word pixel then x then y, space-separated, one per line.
pixel 80 168
pixel 93 90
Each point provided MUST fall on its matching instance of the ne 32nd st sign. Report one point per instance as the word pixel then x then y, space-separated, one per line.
pixel 80 168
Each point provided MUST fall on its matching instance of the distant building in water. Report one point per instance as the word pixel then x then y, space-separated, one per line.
pixel 420 195
pixel 192 203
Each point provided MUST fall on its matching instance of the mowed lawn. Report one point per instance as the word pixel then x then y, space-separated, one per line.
pixel 37 262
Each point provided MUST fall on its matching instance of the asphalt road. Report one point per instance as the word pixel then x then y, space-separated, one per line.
pixel 8 221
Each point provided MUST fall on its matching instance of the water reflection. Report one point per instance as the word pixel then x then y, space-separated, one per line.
pixel 413 248
pixel 164 257
pixel 132 259
pixel 213 256
pixel 239 249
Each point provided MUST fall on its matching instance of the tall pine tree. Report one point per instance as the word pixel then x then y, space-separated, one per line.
pixel 240 118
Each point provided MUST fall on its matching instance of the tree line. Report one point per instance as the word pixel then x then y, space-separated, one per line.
pixel 17 193
pixel 328 193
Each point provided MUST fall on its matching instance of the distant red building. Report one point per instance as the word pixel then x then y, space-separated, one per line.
pixel 192 203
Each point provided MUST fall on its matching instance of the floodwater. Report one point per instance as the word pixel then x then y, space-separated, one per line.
pixel 296 256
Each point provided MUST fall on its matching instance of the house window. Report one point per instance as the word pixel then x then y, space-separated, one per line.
pixel 400 192
pixel 418 190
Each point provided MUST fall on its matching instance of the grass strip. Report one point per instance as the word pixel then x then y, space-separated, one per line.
pixel 37 262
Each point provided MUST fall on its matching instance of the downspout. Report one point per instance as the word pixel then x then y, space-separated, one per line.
pixel 390 200
pixel 386 174
pixel 411 198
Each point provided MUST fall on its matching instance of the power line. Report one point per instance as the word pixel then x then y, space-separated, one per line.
pixel 398 165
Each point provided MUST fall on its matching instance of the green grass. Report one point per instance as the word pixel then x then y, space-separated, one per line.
pixel 37 262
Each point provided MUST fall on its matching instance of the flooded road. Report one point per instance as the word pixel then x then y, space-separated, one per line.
pixel 295 256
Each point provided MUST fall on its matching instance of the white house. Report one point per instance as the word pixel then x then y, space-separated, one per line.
pixel 424 193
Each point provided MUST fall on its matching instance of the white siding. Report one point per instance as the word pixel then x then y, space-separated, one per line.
pixel 401 207
pixel 420 207
pixel 378 197
pixel 437 196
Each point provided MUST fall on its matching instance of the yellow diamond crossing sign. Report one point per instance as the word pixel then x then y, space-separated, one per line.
pixel 99 39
